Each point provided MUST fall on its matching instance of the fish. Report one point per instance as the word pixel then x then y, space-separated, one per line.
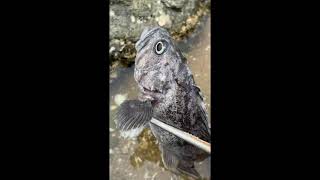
pixel 168 93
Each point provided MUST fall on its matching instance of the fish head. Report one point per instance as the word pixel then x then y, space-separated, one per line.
pixel 157 62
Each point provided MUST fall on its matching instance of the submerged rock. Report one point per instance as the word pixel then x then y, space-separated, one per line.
pixel 128 18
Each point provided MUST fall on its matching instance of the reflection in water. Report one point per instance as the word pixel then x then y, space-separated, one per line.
pixel 141 158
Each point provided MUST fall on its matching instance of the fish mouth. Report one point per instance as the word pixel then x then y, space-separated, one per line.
pixel 154 95
pixel 151 91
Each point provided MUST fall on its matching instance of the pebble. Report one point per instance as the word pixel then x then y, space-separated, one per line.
pixel 111 130
pixel 112 49
pixel 183 29
pixel 139 159
pixel 113 107
pixel 113 75
pixel 146 175
pixel 133 19
pixel 154 175
pixel 119 98
pixel 164 20
pixel 110 151
pixel 111 13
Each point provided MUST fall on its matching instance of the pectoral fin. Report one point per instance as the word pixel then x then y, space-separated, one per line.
pixel 132 117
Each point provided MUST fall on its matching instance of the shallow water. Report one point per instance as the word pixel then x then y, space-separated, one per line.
pixel 140 158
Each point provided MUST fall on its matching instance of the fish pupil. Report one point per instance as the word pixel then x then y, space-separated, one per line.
pixel 159 46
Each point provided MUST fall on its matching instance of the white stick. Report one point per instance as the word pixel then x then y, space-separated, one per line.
pixel 184 135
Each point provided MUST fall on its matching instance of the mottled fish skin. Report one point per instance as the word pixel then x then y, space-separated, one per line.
pixel 165 79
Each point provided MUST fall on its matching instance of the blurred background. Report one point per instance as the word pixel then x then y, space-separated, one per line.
pixel 188 21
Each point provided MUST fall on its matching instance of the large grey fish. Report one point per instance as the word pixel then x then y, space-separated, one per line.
pixel 168 93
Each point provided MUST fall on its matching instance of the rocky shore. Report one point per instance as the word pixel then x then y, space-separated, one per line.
pixel 128 18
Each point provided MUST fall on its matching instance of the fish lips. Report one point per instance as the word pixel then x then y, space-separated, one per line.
pixel 154 96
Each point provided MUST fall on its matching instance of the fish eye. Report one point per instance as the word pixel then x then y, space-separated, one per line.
pixel 160 47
